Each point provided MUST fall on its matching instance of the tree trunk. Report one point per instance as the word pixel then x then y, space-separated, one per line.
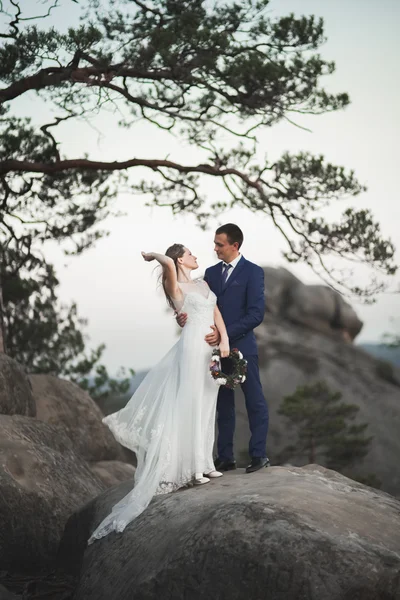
pixel 2 336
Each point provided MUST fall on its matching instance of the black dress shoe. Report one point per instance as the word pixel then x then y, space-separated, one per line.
pixel 224 465
pixel 257 463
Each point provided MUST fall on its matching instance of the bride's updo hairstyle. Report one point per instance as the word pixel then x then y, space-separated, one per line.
pixel 175 251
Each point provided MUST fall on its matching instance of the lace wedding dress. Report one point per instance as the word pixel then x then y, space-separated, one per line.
pixel 169 421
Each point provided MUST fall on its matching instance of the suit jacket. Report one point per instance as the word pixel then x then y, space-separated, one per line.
pixel 241 302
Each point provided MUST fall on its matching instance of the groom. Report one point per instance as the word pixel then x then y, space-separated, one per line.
pixel 239 287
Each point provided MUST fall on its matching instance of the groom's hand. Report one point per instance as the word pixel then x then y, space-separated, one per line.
pixel 181 319
pixel 213 339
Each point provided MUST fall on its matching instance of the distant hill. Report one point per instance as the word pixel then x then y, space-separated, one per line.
pixel 382 352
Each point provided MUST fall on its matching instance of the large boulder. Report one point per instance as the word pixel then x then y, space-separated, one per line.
pixel 15 389
pixel 6 595
pixel 42 482
pixel 111 472
pixel 64 404
pixel 282 533
pixel 318 307
pixel 291 355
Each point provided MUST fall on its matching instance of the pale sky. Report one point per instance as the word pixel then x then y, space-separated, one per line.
pixel 112 285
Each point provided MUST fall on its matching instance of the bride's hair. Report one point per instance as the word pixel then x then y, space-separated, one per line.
pixel 175 251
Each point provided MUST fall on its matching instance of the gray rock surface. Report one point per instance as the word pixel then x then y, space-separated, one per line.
pixel 6 594
pixel 291 355
pixel 64 404
pixel 282 534
pixel 318 307
pixel 15 390
pixel 42 482
pixel 112 472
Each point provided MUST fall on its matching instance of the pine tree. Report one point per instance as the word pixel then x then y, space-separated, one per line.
pixel 47 337
pixel 323 423
pixel 215 74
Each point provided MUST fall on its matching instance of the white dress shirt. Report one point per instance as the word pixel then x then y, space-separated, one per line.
pixel 233 265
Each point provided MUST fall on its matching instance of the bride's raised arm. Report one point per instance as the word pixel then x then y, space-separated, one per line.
pixel 168 265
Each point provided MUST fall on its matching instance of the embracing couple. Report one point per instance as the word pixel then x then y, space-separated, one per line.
pixel 170 420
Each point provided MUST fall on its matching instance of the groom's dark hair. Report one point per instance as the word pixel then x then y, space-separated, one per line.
pixel 233 233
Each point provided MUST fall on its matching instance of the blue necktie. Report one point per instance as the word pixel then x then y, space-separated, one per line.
pixel 225 272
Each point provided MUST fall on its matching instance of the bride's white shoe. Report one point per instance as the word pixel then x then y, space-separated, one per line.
pixel 200 480
pixel 213 474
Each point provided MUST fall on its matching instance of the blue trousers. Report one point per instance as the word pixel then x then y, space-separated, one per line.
pixel 257 412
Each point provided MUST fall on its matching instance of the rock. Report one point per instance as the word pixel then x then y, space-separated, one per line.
pixel 318 307
pixel 42 482
pixel 15 390
pixel 66 405
pixel 291 355
pixel 6 595
pixel 25 429
pixel 112 472
pixel 281 533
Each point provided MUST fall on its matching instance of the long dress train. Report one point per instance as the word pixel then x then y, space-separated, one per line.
pixel 169 421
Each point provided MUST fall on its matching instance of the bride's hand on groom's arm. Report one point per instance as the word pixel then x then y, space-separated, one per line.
pixel 214 338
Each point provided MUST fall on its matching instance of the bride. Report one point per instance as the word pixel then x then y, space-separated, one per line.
pixel 169 421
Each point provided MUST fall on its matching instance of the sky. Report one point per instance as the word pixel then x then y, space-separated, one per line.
pixel 117 291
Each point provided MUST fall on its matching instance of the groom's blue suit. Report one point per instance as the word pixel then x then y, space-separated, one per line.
pixel 241 302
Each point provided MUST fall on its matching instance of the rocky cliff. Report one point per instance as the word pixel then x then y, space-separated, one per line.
pixel 282 534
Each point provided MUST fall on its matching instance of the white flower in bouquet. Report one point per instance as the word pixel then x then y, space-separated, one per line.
pixel 243 379
pixel 240 355
pixel 220 381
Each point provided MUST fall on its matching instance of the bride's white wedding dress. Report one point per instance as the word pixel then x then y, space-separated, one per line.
pixel 169 421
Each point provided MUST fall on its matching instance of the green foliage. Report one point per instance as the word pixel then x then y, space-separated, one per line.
pixel 324 434
pixel 46 337
pixel 210 73
pixel 102 387
pixel 65 207
pixel 392 340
